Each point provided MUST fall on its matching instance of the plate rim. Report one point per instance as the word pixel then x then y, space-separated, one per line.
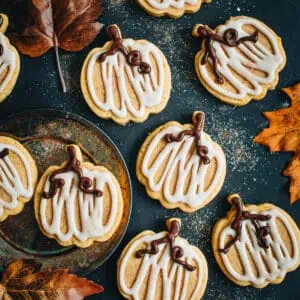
pixel 85 122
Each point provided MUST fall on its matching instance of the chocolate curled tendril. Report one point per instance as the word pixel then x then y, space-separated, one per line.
pixel 176 251
pixel 196 132
pixel 133 57
pixel 73 165
pixel 4 153
pixel 242 215
pixel 230 38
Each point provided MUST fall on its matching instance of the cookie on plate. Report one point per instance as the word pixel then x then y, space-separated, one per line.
pixel 18 177
pixel 181 166
pixel 78 203
pixel 171 8
pixel 256 244
pixel 9 62
pixel 162 266
pixel 240 60
pixel 126 79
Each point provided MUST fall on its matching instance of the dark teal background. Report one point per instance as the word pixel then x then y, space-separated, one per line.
pixel 252 170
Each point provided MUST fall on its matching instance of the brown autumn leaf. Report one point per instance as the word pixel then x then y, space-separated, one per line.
pixel 23 279
pixel 283 134
pixel 67 24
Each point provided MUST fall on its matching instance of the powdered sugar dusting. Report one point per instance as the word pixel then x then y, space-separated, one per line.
pixel 233 6
pixel 232 128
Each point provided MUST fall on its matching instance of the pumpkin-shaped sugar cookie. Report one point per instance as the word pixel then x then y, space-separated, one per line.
pixel 126 79
pixel 240 60
pixel 256 244
pixel 181 166
pixel 162 265
pixel 9 61
pixel 171 8
pixel 78 203
pixel 18 177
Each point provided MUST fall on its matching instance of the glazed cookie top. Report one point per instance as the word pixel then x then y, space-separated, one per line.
pixel 264 237
pixel 126 80
pixel 182 266
pixel 240 60
pixel 181 165
pixel 18 176
pixel 8 59
pixel 164 4
pixel 78 202
pixel 171 8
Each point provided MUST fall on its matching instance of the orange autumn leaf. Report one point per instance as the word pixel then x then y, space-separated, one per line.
pixel 293 171
pixel 283 134
pixel 24 279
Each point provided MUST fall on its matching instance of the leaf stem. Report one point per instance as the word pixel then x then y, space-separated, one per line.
pixel 60 73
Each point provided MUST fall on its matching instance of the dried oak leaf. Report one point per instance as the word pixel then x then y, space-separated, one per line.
pixel 283 134
pixel 23 279
pixel 67 24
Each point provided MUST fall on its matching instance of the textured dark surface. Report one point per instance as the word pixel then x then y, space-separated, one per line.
pixel 252 170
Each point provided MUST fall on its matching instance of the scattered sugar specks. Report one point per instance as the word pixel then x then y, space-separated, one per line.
pixel 231 6
pixel 240 155
pixel 226 124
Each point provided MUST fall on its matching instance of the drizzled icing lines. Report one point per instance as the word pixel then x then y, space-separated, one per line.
pixel 176 252
pixel 138 70
pixel 10 178
pixel 229 39
pixel 177 157
pixel 196 132
pixel 7 61
pixel 84 190
pixel 272 258
pixel 249 66
pixel 162 271
pixel 237 225
pixel 165 4
pixel 171 8
pixel 73 165
pixel 133 57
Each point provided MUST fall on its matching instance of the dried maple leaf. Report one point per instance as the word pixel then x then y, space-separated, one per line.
pixel 283 134
pixel 293 171
pixel 23 279
pixel 66 24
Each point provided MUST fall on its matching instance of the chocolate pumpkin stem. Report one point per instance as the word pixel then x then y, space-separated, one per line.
pixel 133 58
pixel 196 132
pixel 229 38
pixel 242 215
pixel 176 251
pixel 73 165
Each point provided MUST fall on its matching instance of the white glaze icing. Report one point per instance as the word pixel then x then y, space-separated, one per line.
pixel 149 88
pixel 7 60
pixel 240 59
pixel 91 208
pixel 164 4
pixel 176 154
pixel 272 263
pixel 10 179
pixel 159 264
